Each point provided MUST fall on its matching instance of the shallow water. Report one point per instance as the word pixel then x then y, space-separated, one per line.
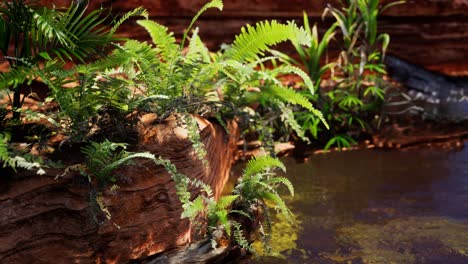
pixel 374 206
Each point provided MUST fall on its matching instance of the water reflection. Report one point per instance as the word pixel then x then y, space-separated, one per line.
pixel 377 207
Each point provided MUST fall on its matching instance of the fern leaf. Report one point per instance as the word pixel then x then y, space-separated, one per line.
pixel 14 77
pixel 280 204
pixel 285 181
pixel 243 213
pixel 192 209
pixel 284 69
pixel 197 51
pixel 114 165
pixel 212 4
pixel 262 164
pixel 237 71
pixel 21 162
pixel 194 136
pixel 240 238
pixel 163 39
pixel 253 41
pixel 139 11
pixel 287 116
pixel 291 96
pixel 226 201
pixel 224 221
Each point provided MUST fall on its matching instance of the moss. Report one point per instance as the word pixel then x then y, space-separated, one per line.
pixel 407 240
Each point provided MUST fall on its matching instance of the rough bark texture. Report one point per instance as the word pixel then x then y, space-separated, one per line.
pixel 431 33
pixel 47 220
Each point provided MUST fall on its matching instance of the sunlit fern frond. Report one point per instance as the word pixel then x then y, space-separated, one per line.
pixel 291 96
pixel 253 41
pixel 197 51
pixel 262 164
pixel 163 40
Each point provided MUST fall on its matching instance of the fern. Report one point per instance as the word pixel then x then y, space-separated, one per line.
pixel 197 51
pixel 192 208
pixel 287 116
pixel 212 4
pixel 291 96
pixel 285 181
pixel 194 136
pixel 240 238
pixel 4 153
pixel 106 170
pixel 181 181
pixel 262 164
pixel 253 41
pixel 15 76
pixel 103 158
pixel 139 11
pixel 9 159
pixel 285 69
pixel 162 39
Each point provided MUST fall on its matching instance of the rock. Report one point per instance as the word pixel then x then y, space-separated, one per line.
pixel 445 97
pixel 48 220
pixel 431 33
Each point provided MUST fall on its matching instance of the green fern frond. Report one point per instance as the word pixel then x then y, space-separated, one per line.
pixel 102 158
pixel 21 162
pixel 197 51
pixel 240 238
pixel 15 76
pixel 285 181
pixel 4 152
pixel 280 204
pixel 287 116
pixel 286 69
pixel 194 136
pixel 139 11
pixel 114 165
pixel 262 164
pixel 253 41
pixel 212 4
pixel 236 70
pixel 243 213
pixel 288 95
pixel 201 185
pixel 226 201
pixel 193 208
pixel 222 217
pixel 164 41
pixel 291 96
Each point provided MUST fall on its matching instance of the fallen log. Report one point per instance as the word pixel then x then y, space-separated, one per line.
pixel 50 219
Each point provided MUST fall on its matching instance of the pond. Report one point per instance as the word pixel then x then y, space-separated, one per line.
pixel 376 206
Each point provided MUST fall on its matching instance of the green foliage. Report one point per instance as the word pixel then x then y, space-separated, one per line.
pixel 157 77
pixel 254 41
pixel 358 88
pixel 164 41
pixel 340 141
pixel 212 4
pixel 194 136
pixel 14 159
pixel 38 34
pixel 262 164
pixel 103 158
pixel 258 187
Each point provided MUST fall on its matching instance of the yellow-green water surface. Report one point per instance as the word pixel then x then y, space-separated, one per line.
pixel 375 206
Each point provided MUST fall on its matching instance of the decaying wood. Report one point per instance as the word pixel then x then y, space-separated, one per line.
pixel 48 220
